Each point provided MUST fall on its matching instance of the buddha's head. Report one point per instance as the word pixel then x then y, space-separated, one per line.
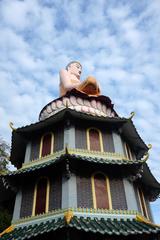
pixel 74 68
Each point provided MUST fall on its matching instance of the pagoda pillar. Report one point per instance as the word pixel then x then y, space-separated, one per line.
pixel 17 206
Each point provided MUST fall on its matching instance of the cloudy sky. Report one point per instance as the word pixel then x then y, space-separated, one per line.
pixel 118 42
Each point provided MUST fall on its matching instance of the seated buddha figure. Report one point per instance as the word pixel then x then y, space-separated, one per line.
pixel 70 79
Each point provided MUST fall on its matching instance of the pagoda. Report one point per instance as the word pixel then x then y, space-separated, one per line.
pixel 81 170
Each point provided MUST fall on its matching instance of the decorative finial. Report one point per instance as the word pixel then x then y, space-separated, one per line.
pixel 11 126
pixel 149 146
pixel 132 114
pixel 67 104
pixel 66 149
pixel 68 216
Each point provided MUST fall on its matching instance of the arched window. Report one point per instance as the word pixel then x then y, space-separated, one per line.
pixel 94 140
pixel 46 145
pixel 41 196
pixel 101 191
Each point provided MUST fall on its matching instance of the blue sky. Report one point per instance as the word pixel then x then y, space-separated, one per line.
pixel 116 41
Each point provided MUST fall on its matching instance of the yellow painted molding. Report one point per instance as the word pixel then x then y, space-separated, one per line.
pixel 82 152
pixel 43 159
pixel 93 192
pixel 11 126
pixel 7 230
pixel 140 218
pixel 79 210
pixel 68 216
pixel 100 138
pixel 140 201
pixel 109 192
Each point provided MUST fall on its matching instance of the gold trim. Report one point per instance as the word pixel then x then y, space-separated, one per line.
pixel 35 195
pixel 82 152
pixel 47 195
pixel 140 218
pixel 79 210
pixel 68 216
pixel 7 230
pixel 100 138
pixel 126 150
pixel 109 192
pixel 41 144
pixel 140 201
pixel 144 201
pixel 93 192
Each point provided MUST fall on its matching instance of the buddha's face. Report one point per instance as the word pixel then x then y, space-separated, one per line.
pixel 75 69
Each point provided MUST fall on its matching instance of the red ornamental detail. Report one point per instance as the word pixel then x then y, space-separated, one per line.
pixel 101 191
pixel 41 196
pixel 94 140
pixel 46 145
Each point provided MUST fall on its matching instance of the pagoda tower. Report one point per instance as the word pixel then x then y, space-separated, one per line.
pixel 81 170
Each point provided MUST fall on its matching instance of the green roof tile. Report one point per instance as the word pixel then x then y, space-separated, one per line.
pixel 123 227
pixel 77 157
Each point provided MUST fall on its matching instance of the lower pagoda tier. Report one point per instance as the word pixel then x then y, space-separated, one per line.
pixel 83 223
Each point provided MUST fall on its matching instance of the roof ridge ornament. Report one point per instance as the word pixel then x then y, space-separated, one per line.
pixel 149 146
pixel 68 216
pixel 11 126
pixel 132 114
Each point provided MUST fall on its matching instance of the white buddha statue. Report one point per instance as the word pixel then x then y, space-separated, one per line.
pixel 70 78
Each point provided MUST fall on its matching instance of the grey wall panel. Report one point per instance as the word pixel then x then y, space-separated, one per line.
pixel 27 200
pixel 55 195
pixel 81 138
pixel 137 198
pixel 118 194
pixel 35 148
pixel 108 144
pixel 130 195
pixel 84 192
pixel 117 143
pixel 58 140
